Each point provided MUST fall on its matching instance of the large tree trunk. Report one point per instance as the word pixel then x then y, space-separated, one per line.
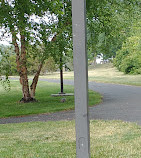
pixel 21 67
pixel 28 96
pixel 35 81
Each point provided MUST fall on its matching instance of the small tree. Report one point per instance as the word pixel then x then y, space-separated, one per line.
pixel 26 22
pixel 63 38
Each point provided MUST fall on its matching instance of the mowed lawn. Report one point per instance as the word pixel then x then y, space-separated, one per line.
pixel 10 106
pixel 109 139
pixel 105 73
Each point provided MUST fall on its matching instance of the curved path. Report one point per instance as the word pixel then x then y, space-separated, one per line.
pixel 120 102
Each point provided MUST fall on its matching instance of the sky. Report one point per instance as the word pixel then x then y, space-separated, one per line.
pixel 6 40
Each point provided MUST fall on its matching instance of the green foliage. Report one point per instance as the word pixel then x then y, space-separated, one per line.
pixel 17 15
pixel 4 67
pixel 8 61
pixel 34 57
pixel 128 59
pixel 4 62
pixel 5 84
pixel 109 24
pixel 49 66
pixel 63 36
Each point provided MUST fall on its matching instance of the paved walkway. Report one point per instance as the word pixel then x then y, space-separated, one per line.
pixel 120 102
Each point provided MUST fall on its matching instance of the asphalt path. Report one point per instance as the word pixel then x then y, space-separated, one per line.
pixel 120 102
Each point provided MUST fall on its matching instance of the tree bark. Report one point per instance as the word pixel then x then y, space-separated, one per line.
pixel 23 72
pixel 28 95
pixel 16 51
pixel 35 81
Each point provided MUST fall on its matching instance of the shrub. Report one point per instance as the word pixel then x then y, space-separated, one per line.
pixel 128 59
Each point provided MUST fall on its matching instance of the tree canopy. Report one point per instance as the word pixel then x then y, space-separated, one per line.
pixel 109 24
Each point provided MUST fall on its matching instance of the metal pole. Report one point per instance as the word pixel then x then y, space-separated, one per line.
pixel 61 76
pixel 80 79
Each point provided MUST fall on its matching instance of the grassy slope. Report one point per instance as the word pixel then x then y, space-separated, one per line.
pixel 104 73
pixel 9 105
pixel 57 140
pixel 109 74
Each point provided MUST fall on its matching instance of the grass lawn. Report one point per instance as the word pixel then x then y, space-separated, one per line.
pixel 10 106
pixel 105 73
pixel 109 139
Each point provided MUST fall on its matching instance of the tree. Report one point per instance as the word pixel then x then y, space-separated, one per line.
pixel 26 22
pixel 128 58
pixel 108 25
pixel 63 38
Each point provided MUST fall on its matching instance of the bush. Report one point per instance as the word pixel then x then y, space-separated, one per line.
pixel 128 59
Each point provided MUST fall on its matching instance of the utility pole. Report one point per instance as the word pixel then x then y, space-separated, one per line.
pixel 80 79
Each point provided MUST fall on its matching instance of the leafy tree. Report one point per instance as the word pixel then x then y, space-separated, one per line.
pixel 63 38
pixel 128 58
pixel 18 18
pixel 108 25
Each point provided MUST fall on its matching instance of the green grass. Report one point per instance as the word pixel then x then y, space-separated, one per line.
pixel 105 73
pixel 109 139
pixel 10 106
